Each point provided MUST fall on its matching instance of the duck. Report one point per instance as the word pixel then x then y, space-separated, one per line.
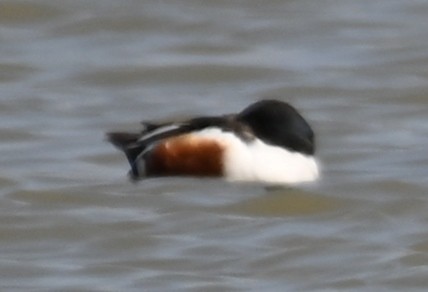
pixel 267 142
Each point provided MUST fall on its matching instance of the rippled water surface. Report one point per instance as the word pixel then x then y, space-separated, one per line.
pixel 71 221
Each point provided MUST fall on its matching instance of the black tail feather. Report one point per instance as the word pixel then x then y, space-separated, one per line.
pixel 127 142
pixel 122 139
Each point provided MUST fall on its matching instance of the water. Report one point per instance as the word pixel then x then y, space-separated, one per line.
pixel 71 70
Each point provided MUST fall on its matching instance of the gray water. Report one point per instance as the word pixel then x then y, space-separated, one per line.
pixel 70 220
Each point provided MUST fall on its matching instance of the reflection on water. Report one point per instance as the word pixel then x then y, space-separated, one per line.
pixel 288 202
pixel 70 219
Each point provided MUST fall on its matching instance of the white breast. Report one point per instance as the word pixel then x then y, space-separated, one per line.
pixel 258 161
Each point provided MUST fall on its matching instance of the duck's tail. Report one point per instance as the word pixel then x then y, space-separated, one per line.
pixel 127 142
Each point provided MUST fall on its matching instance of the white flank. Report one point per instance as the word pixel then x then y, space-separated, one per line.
pixel 258 161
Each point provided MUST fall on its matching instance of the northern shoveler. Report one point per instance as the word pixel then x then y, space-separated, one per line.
pixel 268 142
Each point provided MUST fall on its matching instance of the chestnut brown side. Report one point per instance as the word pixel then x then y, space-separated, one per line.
pixel 186 155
